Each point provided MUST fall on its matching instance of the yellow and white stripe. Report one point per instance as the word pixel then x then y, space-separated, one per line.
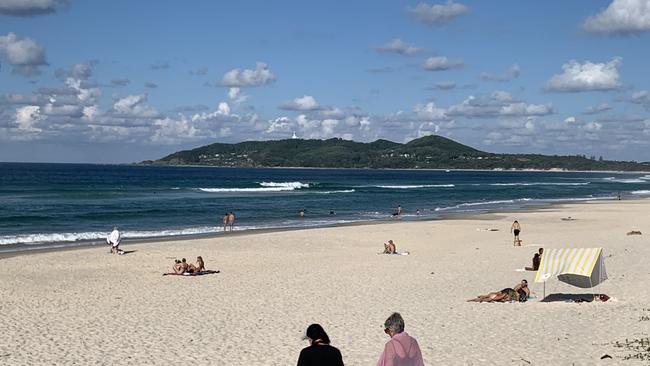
pixel 567 261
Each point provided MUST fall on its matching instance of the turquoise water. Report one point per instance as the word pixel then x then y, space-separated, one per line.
pixel 46 205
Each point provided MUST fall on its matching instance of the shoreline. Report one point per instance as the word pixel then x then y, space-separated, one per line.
pixel 479 215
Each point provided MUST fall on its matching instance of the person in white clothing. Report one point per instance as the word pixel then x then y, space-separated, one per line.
pixel 113 240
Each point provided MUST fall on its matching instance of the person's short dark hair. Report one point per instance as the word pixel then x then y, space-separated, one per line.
pixel 183 260
pixel 395 322
pixel 315 331
pixel 540 251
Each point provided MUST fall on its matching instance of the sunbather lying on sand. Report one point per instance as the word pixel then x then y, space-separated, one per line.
pixel 519 293
pixel 200 266
pixel 181 266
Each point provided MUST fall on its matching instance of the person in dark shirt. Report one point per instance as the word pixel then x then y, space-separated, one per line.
pixel 319 353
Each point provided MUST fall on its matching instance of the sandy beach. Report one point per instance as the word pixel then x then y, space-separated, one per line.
pixel 89 307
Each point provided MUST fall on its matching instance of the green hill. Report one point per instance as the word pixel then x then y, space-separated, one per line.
pixel 430 152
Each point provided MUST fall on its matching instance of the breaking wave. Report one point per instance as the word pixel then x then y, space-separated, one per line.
pixel 265 187
pixel 417 186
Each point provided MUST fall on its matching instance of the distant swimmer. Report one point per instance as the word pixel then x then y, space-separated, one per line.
pixel 398 211
pixel 332 213
pixel 301 213
pixel 231 220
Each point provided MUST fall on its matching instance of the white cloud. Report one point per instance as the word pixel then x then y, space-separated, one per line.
pixel 429 112
pixel 621 17
pixel 399 47
pixel 587 76
pixel 236 95
pixel 438 63
pixel 641 97
pixel 304 103
pixel 25 56
pixel 445 85
pixel 27 117
pixel 603 107
pixel 223 108
pixel 134 106
pixel 28 8
pixel 262 75
pixel 593 126
pixel 68 110
pixel 438 14
pixel 513 72
pixel 570 120
pixel 280 124
pixel 86 95
pixel 497 104
pixel 90 113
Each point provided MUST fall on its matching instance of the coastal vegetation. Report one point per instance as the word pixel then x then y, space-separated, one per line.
pixel 430 152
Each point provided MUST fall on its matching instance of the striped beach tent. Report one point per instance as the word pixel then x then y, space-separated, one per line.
pixel 581 267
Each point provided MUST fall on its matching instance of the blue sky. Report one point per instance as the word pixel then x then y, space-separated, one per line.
pixel 124 81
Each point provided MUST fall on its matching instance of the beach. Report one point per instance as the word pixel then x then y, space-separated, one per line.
pixel 89 307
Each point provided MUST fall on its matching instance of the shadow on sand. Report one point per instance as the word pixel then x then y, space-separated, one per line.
pixel 570 297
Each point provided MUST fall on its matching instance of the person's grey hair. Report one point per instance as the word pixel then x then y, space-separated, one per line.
pixel 395 322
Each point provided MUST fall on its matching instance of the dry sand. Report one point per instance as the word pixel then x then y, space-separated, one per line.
pixel 88 307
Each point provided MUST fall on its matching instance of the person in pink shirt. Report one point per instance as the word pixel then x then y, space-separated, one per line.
pixel 402 349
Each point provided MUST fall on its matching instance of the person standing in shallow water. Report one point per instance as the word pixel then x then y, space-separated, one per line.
pixel 225 222
pixel 516 229
pixel 231 220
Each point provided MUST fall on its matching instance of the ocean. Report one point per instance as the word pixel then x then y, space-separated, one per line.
pixel 59 205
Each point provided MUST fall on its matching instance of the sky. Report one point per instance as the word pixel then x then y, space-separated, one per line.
pixel 124 81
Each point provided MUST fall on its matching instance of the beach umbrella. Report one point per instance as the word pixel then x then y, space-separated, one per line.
pixel 580 267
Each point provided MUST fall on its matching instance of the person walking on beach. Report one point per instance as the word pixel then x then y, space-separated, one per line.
pixel 401 349
pixel 516 229
pixel 231 220
pixel 225 222
pixel 319 352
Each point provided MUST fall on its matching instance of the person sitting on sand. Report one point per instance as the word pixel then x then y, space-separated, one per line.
pixel 319 351
pixel 537 258
pixel 180 267
pixel 505 295
pixel 200 266
pixel 390 248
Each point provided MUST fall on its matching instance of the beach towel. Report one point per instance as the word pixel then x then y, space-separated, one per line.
pixel 191 274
